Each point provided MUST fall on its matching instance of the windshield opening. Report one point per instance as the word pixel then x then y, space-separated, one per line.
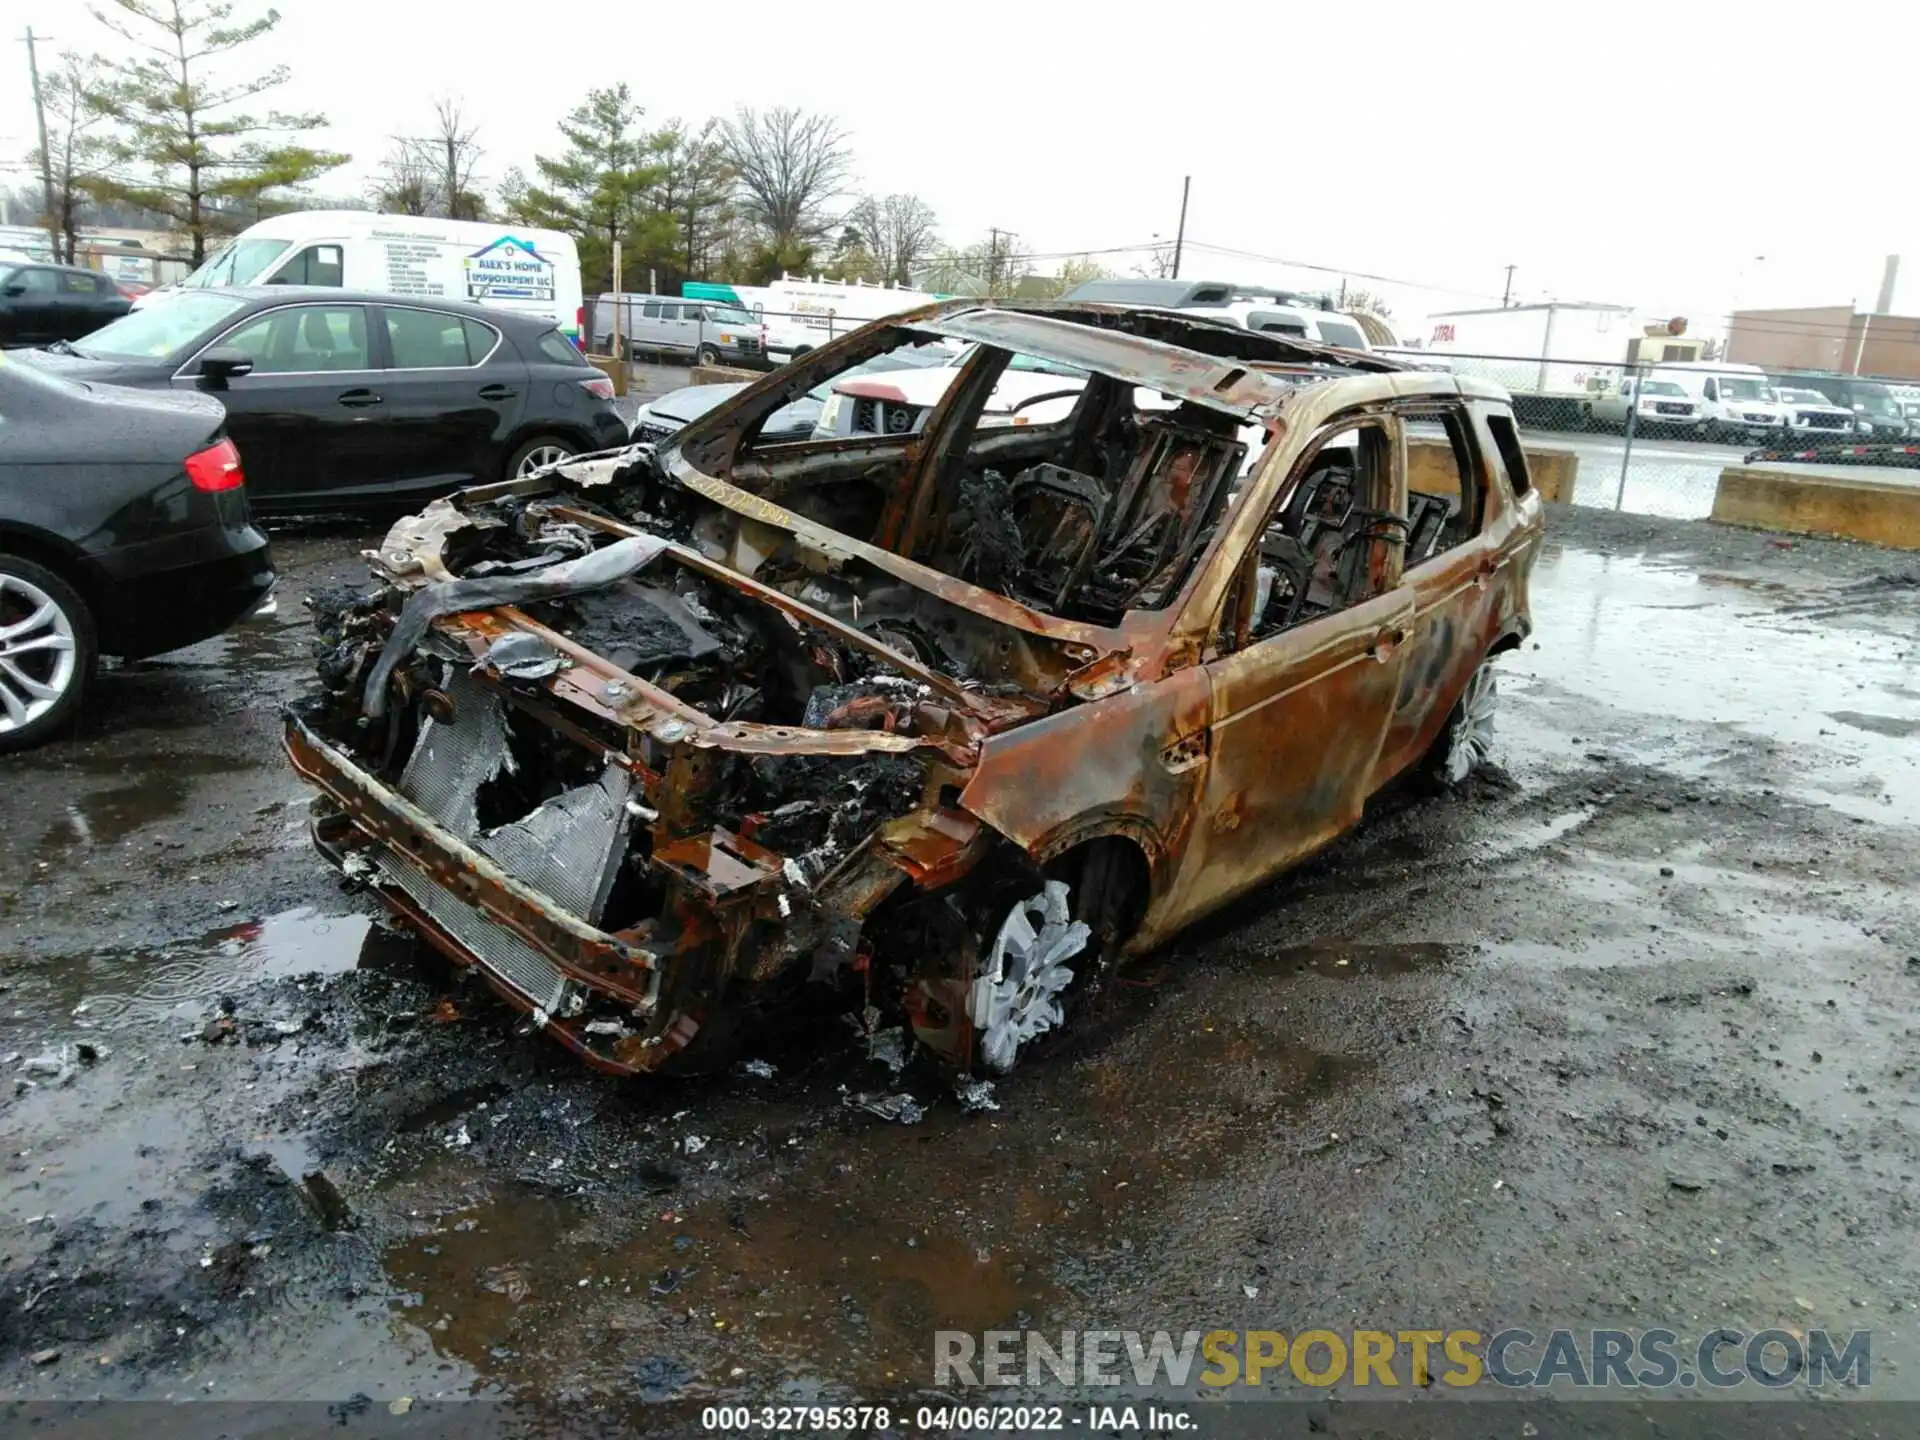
pixel 1876 400
pixel 159 332
pixel 1660 387
pixel 1334 333
pixel 238 262
pixel 1740 387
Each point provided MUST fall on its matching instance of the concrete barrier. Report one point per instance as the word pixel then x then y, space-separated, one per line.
pixel 1814 500
pixel 1431 470
pixel 722 375
pixel 614 368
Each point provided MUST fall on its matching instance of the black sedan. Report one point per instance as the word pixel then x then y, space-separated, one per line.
pixel 341 401
pixel 124 530
pixel 40 304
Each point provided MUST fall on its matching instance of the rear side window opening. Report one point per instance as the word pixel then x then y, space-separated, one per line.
pixel 557 348
pixel 1512 458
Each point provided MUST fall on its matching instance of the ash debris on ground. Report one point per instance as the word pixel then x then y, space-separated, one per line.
pixel 1495 1006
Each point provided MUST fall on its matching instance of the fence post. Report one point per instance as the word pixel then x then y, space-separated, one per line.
pixel 614 344
pixel 1626 454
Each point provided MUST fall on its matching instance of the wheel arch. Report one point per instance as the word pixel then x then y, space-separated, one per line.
pixel 64 559
pixel 1129 836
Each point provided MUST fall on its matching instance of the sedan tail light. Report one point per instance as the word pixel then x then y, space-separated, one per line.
pixel 599 385
pixel 216 468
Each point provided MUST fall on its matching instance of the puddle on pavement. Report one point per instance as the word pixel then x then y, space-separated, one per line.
pixel 1523 838
pixel 1877 724
pixel 153 788
pixel 840 1255
pixel 123 986
pixel 1627 633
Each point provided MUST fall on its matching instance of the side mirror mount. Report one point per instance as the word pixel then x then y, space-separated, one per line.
pixel 18 287
pixel 221 364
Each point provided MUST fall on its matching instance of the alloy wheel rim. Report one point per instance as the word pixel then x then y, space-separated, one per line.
pixel 1017 995
pixel 38 653
pixel 1471 739
pixel 540 457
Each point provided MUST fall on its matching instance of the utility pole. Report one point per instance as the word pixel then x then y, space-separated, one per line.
pixel 1506 296
pixel 993 261
pixel 1180 235
pixel 46 158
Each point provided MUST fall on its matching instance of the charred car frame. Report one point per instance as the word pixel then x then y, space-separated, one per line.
pixel 945 718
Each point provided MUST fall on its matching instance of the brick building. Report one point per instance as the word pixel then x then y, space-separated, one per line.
pixel 1826 337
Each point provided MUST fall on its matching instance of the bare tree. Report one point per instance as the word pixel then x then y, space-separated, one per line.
pixel 456 159
pixel 1364 302
pixel 405 186
pixel 996 267
pixel 434 174
pixel 790 164
pixel 1158 264
pixel 76 149
pixel 899 231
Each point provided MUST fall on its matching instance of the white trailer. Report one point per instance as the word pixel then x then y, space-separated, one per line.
pixel 801 314
pixel 1553 358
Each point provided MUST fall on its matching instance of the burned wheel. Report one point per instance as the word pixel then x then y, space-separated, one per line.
pixel 47 652
pixel 1466 740
pixel 1017 994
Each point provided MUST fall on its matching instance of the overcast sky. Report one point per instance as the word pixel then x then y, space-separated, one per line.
pixel 1644 154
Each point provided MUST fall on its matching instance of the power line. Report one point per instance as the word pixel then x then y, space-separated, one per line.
pixel 1340 270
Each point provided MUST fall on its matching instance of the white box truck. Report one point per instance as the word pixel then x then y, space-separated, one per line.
pixel 1555 358
pixel 801 314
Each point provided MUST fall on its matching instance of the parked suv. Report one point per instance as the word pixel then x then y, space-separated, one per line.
pixel 40 304
pixel 946 723
pixel 704 331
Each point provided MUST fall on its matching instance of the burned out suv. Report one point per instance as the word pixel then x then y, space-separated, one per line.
pixel 951 719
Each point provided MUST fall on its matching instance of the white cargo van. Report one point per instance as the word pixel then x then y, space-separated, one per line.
pixel 1731 399
pixel 488 262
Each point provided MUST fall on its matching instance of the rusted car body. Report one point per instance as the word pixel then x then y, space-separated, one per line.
pixel 657 739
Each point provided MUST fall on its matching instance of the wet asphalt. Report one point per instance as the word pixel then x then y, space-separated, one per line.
pixel 1623 1035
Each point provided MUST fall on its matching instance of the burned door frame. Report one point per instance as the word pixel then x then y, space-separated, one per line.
pixel 1274 788
pixel 1453 622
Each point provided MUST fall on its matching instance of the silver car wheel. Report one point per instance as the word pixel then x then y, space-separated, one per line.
pixel 1470 733
pixel 38 653
pixel 1017 994
pixel 540 457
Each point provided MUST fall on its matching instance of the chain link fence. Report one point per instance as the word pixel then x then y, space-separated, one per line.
pixel 1653 438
